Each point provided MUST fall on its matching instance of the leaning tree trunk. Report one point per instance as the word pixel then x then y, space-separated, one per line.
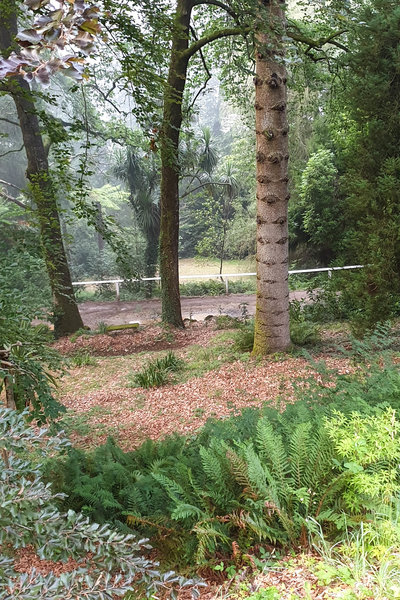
pixel 169 205
pixel 66 313
pixel 272 308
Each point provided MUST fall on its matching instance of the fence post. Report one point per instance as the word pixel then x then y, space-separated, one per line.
pixel 117 290
pixel 330 273
pixel 226 286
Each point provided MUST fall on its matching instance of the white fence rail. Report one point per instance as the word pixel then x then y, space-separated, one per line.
pixel 224 277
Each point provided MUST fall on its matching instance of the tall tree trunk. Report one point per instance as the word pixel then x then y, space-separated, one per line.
pixel 66 313
pixel 172 121
pixel 151 256
pixel 272 308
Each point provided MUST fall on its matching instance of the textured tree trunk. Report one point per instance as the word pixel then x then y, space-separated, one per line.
pixel 66 313
pixel 172 121
pixel 151 256
pixel 272 308
pixel 6 365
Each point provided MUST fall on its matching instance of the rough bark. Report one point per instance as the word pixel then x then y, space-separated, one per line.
pixel 66 314
pixel 272 308
pixel 151 256
pixel 172 121
pixel 181 53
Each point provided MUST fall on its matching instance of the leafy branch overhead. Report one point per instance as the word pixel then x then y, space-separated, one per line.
pixel 66 28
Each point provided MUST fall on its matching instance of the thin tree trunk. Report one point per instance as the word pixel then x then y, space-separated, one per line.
pixel 272 308
pixel 151 255
pixel 8 379
pixel 100 239
pixel 66 313
pixel 172 121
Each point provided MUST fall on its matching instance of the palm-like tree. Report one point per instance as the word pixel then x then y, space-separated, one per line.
pixel 143 181
pixel 230 191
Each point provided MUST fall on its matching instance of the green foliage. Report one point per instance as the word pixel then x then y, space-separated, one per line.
pixel 244 338
pixel 157 372
pixel 215 287
pixel 82 358
pixel 263 476
pixel 271 593
pixel 31 365
pixel 366 133
pixel 30 518
pixel 322 211
pixel 227 322
pixel 302 333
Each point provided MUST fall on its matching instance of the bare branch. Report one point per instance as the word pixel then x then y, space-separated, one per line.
pixel 207 70
pixel 12 185
pixel 211 183
pixel 12 151
pixel 9 121
pixel 215 35
pixel 224 7
pixel 13 200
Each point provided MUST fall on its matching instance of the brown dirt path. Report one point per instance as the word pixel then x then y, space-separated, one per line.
pixel 147 311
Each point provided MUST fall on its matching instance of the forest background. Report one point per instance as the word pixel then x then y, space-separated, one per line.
pixel 102 140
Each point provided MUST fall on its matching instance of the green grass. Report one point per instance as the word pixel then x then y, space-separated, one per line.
pixel 82 358
pixel 85 426
pixel 158 371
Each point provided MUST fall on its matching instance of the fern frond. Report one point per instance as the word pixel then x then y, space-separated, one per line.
pixel 208 537
pixel 173 489
pixel 272 451
pixel 299 452
pixel 239 470
pixel 185 511
pixel 255 470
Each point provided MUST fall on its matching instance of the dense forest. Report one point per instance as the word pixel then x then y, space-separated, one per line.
pixel 140 136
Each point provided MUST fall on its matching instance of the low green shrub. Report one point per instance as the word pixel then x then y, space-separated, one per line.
pixel 30 518
pixel 216 287
pixel 82 358
pixel 244 338
pixel 304 333
pixel 227 322
pixel 29 364
pixel 157 372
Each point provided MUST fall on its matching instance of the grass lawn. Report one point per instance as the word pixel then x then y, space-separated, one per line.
pixel 209 266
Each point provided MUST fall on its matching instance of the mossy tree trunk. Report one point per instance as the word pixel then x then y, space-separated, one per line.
pixel 151 256
pixel 181 52
pixel 172 121
pixel 272 308
pixel 66 314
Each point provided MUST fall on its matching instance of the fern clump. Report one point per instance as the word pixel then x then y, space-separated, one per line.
pixel 261 477
pixel 30 518
pixel 157 372
pixel 265 476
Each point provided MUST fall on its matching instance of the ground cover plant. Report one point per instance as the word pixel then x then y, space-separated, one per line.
pixel 89 560
pixel 29 365
pixel 158 372
pixel 253 478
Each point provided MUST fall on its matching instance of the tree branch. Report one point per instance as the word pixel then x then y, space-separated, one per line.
pixel 224 7
pixel 207 70
pixel 9 121
pixel 297 36
pixel 13 200
pixel 12 185
pixel 215 35
pixel 203 185
pixel 12 151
